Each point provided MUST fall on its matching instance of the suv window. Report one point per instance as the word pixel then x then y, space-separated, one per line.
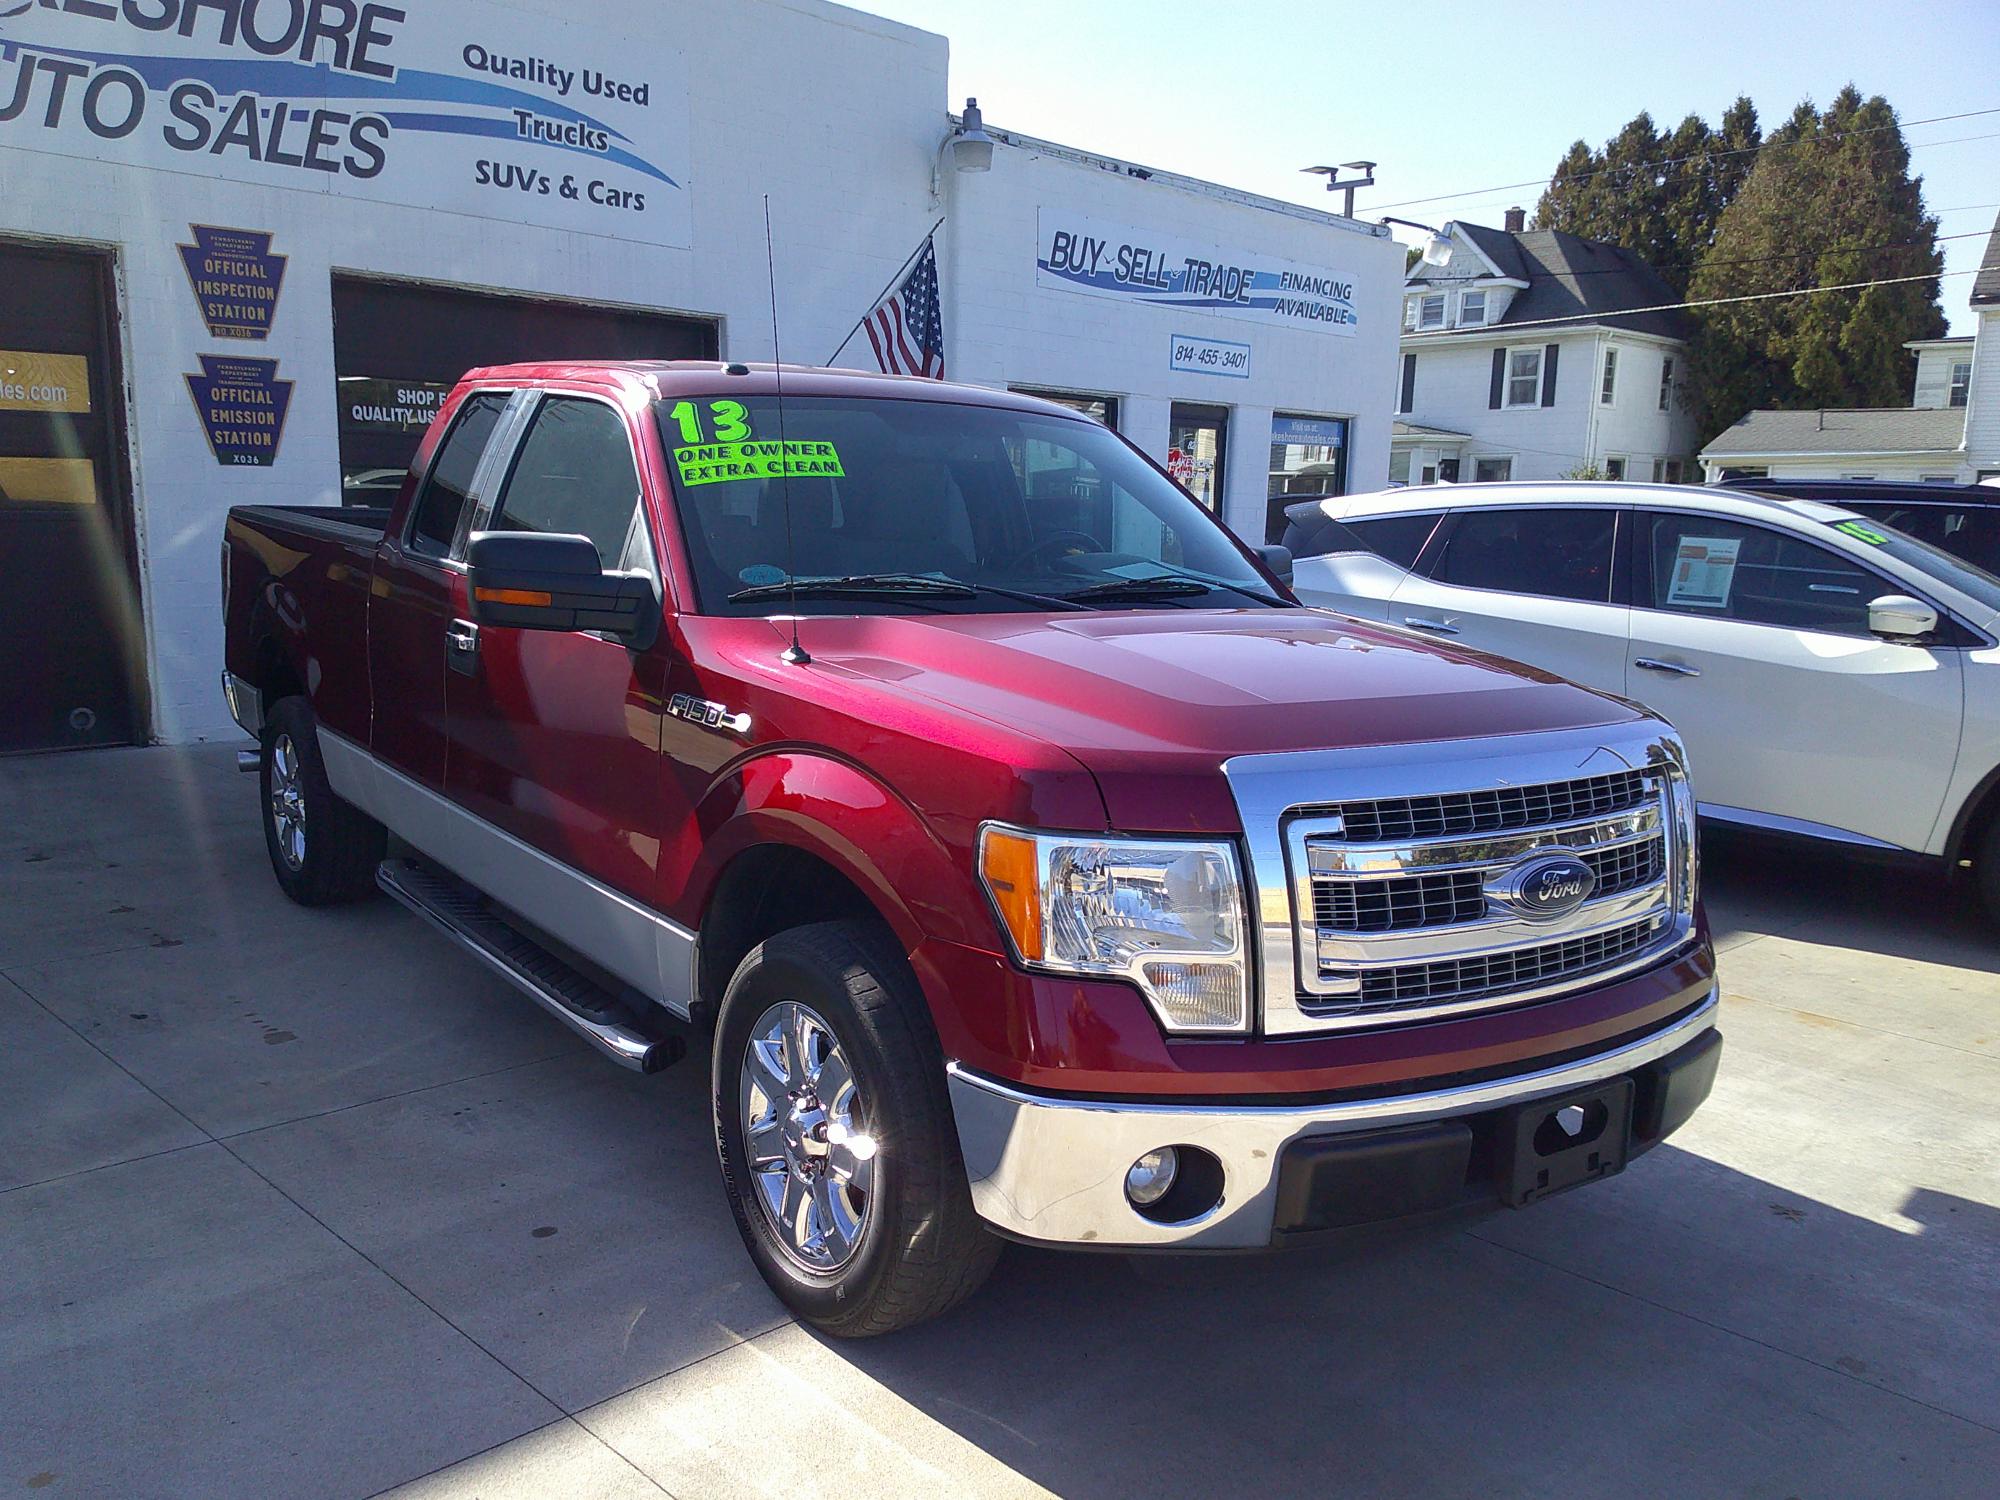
pixel 1706 565
pixel 1560 552
pixel 450 480
pixel 1397 539
pixel 1968 532
pixel 575 475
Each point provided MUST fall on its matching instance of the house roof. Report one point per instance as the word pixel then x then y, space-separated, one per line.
pixel 1986 284
pixel 1419 430
pixel 1887 429
pixel 1585 281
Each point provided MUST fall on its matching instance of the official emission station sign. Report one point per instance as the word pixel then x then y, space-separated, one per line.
pixel 235 279
pixel 242 404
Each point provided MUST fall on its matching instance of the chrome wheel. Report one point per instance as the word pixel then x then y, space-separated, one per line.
pixel 288 802
pixel 805 1136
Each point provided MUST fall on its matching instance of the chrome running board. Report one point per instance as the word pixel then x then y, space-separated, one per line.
pixel 609 1024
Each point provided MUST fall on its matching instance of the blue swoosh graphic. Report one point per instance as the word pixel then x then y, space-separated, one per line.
pixel 290 80
pixel 504 129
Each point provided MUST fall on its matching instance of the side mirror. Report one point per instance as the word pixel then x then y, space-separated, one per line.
pixel 1898 617
pixel 1279 561
pixel 538 581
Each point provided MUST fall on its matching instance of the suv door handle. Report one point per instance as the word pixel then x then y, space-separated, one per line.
pixel 1679 669
pixel 1435 627
pixel 461 646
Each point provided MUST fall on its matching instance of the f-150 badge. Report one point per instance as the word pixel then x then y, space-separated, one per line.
pixel 708 715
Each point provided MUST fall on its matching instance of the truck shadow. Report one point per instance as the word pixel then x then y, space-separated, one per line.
pixel 1755 885
pixel 1685 1329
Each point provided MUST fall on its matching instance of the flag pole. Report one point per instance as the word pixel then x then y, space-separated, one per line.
pixel 876 300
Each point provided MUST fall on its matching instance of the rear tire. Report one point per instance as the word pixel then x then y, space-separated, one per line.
pixel 838 1148
pixel 323 850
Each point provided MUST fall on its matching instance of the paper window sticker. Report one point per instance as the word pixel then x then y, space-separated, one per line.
pixel 1704 571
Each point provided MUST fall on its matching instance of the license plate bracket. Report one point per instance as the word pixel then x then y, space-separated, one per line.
pixel 1555 1144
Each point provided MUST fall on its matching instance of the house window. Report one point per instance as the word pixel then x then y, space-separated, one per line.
pixel 1666 471
pixel 1961 383
pixel 1399 467
pixel 1524 377
pixel 1492 470
pixel 1430 311
pixel 1409 313
pixel 1471 309
pixel 1608 391
pixel 1614 468
pixel 1666 382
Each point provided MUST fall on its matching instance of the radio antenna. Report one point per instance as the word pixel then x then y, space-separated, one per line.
pixel 794 654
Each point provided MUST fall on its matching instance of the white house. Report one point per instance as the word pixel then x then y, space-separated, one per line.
pixel 1949 433
pixel 1533 354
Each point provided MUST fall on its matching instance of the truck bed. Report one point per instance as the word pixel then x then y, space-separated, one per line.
pixel 343 523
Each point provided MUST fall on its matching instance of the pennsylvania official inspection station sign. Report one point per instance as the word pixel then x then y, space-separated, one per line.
pixel 1140 265
pixel 510 117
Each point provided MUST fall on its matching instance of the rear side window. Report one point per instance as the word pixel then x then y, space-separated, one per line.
pixel 449 483
pixel 1398 539
pixel 1706 565
pixel 576 476
pixel 1559 553
pixel 1970 533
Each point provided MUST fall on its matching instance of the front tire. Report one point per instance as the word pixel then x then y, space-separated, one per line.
pixel 323 850
pixel 836 1139
pixel 1986 870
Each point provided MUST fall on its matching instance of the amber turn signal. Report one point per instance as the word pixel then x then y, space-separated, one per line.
pixel 1012 874
pixel 535 597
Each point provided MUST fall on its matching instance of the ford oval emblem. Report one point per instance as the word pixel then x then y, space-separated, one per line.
pixel 1544 887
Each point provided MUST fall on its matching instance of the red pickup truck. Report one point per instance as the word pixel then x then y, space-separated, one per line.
pixel 1030 864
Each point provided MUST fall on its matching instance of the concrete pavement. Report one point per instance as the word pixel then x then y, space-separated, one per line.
pixel 305 1203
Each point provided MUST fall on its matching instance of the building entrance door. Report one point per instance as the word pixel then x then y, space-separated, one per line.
pixel 72 657
pixel 1196 436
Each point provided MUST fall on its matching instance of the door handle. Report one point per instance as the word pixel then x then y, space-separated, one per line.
pixel 1435 627
pixel 461 646
pixel 1679 669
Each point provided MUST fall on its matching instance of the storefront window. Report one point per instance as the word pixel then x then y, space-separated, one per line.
pixel 1100 408
pixel 1308 457
pixel 1196 437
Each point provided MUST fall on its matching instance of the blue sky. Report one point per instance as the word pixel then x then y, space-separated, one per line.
pixel 1246 93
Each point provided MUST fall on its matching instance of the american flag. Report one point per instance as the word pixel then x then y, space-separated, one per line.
pixel 906 328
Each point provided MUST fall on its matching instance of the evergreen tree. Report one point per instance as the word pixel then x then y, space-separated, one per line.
pixel 1830 200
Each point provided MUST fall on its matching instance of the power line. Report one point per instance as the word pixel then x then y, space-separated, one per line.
pixel 1674 161
pixel 1628 312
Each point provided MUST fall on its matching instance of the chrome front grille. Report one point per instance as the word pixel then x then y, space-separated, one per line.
pixel 1489 810
pixel 1394 903
pixel 1496 973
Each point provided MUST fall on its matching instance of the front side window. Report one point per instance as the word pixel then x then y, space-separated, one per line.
pixel 1524 377
pixel 1724 569
pixel 894 507
pixel 1472 309
pixel 1961 383
pixel 1608 391
pixel 575 476
pixel 1430 311
pixel 449 483
pixel 1561 552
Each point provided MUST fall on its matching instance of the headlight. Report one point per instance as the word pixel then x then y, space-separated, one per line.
pixel 1165 914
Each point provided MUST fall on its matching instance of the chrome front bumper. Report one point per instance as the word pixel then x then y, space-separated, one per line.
pixel 1053 1169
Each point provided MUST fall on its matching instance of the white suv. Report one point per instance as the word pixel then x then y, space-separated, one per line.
pixel 1831 677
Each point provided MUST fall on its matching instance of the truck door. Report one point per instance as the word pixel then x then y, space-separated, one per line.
pixel 419 589
pixel 555 736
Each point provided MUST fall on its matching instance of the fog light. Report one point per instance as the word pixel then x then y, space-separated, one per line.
pixel 1148 1179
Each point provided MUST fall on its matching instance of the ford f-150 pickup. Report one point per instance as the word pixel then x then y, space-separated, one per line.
pixel 1028 862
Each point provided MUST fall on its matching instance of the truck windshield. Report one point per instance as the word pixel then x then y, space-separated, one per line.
pixel 935 507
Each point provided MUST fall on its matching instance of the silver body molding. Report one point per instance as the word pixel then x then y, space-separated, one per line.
pixel 1053 1169
pixel 652 953
pixel 246 704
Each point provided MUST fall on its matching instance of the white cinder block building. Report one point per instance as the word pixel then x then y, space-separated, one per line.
pixel 245 249
pixel 1532 354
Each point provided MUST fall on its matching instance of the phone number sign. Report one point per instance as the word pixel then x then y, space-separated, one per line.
pixel 1209 356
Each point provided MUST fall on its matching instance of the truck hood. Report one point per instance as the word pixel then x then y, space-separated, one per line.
pixel 1152 702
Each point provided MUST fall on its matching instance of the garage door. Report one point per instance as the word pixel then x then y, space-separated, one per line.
pixel 70 639
pixel 398 347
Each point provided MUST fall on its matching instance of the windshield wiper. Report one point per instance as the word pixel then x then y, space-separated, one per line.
pixel 1164 586
pixel 860 586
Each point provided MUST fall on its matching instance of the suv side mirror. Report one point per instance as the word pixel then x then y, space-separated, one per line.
pixel 1278 560
pixel 1898 617
pixel 539 581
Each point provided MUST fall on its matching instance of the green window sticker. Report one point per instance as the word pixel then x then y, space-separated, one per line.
pixel 716 463
pixel 1862 533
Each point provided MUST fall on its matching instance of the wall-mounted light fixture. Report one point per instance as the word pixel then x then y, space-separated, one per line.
pixel 967 144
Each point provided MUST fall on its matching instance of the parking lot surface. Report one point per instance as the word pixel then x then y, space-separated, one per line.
pixel 307 1203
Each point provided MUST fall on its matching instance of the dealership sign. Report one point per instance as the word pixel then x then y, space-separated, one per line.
pixel 1139 265
pixel 490 112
